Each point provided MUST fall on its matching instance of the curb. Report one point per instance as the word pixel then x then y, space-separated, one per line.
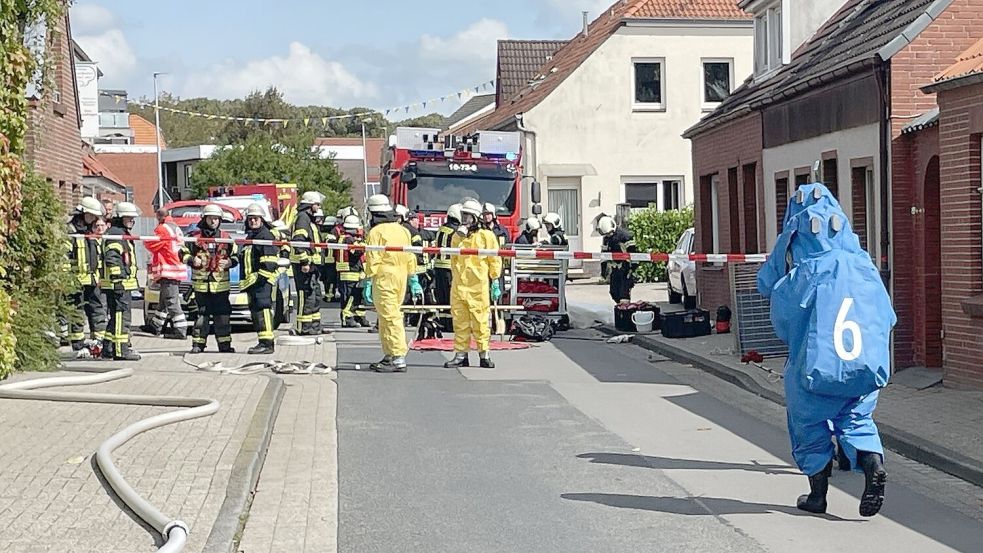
pixel 245 471
pixel 904 443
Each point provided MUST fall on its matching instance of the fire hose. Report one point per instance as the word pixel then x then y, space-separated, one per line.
pixel 174 531
pixel 535 253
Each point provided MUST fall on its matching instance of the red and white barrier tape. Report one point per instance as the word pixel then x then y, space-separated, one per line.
pixel 518 254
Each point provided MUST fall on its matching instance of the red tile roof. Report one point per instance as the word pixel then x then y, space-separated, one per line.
pixel 92 167
pixel 144 132
pixel 968 63
pixel 568 58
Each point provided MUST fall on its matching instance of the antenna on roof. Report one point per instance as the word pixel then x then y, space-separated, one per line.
pixel 586 24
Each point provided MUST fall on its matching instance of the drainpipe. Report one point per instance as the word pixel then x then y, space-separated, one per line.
pixel 531 157
pixel 883 77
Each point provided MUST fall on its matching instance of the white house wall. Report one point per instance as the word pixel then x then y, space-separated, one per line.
pixel 589 120
pixel 852 144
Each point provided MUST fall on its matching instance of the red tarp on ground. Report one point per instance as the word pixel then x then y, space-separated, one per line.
pixel 448 345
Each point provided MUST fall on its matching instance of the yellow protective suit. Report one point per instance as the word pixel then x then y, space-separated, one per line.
pixel 389 272
pixel 470 302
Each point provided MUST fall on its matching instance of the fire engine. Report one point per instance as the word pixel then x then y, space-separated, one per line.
pixel 282 197
pixel 427 172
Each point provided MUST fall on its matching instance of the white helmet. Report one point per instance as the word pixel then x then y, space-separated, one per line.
pixel 330 221
pixel 552 218
pixel 345 212
pixel 490 208
pixel 280 225
pixel 255 210
pixel 454 211
pixel 533 224
pixel 311 197
pixel 212 210
pixel 473 207
pixel 352 222
pixel 402 211
pixel 91 206
pixel 379 203
pixel 606 225
pixel 126 209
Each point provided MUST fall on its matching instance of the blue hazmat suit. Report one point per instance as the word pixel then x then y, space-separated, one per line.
pixel 829 305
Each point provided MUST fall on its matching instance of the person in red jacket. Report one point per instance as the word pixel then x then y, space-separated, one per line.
pixel 167 270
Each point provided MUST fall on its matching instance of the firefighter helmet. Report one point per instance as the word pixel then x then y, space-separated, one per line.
pixel 454 212
pixel 533 224
pixel 606 225
pixel 126 209
pixel 256 210
pixel 552 219
pixel 91 206
pixel 490 208
pixel 402 211
pixel 379 203
pixel 345 212
pixel 352 222
pixel 471 207
pixel 212 210
pixel 330 221
pixel 311 197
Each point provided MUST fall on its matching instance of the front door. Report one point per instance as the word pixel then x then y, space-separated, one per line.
pixel 563 197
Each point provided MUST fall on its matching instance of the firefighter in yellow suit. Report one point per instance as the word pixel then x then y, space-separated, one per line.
pixel 475 287
pixel 387 275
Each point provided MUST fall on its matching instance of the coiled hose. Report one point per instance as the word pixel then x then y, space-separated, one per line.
pixel 174 532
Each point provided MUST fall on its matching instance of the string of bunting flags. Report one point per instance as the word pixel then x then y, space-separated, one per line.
pixel 323 120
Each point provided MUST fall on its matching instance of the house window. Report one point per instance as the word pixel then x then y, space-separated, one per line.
pixel 750 201
pixel 717 79
pixel 802 176
pixel 734 211
pixel 666 194
pixel 781 200
pixel 861 178
pixel 768 39
pixel 715 211
pixel 830 177
pixel 649 84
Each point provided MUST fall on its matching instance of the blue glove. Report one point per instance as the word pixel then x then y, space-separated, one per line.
pixel 496 291
pixel 416 291
pixel 367 292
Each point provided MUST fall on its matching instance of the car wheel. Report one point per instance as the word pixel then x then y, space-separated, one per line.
pixel 674 297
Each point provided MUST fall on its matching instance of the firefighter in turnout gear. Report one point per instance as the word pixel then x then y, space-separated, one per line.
pixel 84 262
pixel 489 220
pixel 619 273
pixel 210 263
pixel 259 269
pixel 119 278
pixel 530 232
pixel 442 279
pixel 414 294
pixel 306 262
pixel 351 275
pixel 475 288
pixel 329 273
pixel 555 229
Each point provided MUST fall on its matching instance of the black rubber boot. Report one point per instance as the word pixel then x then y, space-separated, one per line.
pixel 262 348
pixel 108 350
pixel 197 348
pixel 175 335
pixel 815 502
pixel 226 348
pixel 129 355
pixel 458 362
pixel 875 477
pixel 382 366
pixel 363 322
pixel 350 322
pixel 150 329
pixel 486 363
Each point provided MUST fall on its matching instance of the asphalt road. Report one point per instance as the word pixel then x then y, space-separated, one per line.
pixel 578 445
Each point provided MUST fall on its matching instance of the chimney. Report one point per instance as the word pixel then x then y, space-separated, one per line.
pixel 586 25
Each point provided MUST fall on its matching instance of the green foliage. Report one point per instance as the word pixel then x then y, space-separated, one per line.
pixel 260 159
pixel 657 231
pixel 36 281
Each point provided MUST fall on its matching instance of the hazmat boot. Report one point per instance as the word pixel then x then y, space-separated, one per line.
pixel 399 364
pixel 460 360
pixel 815 502
pixel 875 477
pixel 485 360
pixel 350 322
pixel 384 365
pixel 262 348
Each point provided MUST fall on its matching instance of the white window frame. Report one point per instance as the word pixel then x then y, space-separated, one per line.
pixel 710 106
pixel 659 183
pixel 768 39
pixel 648 106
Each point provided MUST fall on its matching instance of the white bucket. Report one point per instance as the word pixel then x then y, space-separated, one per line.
pixel 643 320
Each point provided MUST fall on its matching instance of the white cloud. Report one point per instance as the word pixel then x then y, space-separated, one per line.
pixel 302 75
pixel 111 51
pixel 475 44
pixel 89 19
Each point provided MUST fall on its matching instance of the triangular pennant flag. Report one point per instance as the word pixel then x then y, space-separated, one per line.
pixel 285 123
pixel 459 94
pixel 324 121
pixel 442 98
pixel 407 108
pixel 424 105
pixel 307 121
pixel 387 111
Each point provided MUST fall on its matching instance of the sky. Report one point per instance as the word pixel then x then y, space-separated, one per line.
pixel 341 53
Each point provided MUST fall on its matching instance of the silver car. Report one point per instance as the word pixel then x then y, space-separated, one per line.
pixel 682 271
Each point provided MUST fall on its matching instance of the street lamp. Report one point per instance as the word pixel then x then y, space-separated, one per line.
pixel 160 166
pixel 365 154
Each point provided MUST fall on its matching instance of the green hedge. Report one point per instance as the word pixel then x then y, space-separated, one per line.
pixel 657 231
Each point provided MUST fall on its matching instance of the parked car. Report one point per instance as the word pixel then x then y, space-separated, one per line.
pixel 682 271
pixel 188 212
pixel 238 298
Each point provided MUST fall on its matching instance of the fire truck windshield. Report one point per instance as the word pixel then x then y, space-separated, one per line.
pixel 443 183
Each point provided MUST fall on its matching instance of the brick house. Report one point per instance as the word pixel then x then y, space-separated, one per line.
pixel 840 88
pixel 54 140
pixel 951 142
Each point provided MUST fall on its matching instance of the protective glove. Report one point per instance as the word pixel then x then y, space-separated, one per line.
pixel 496 291
pixel 367 292
pixel 224 264
pixel 197 262
pixel 416 291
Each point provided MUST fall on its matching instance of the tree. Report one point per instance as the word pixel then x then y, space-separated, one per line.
pixel 260 159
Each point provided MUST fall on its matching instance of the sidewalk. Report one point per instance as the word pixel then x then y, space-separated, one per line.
pixel 936 426
pixel 202 472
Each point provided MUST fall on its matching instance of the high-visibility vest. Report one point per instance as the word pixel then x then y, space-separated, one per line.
pixel 84 257
pixel 444 236
pixel 119 262
pixel 210 278
pixel 258 261
pixel 305 230
pixel 350 268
